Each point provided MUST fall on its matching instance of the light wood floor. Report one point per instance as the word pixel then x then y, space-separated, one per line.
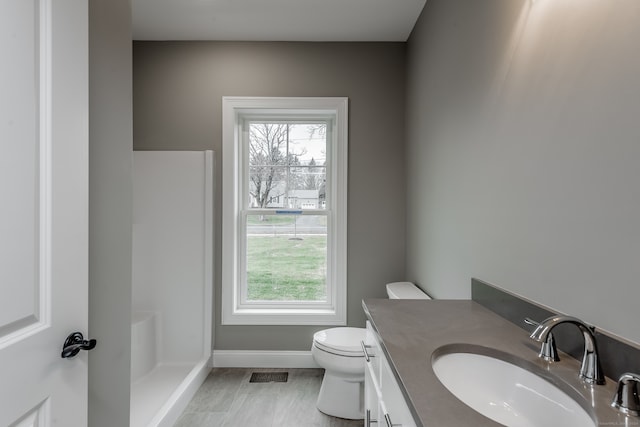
pixel 228 399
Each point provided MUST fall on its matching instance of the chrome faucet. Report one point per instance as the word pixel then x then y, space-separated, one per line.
pixel 626 399
pixel 590 371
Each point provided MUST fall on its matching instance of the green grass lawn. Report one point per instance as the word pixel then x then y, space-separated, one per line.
pixel 280 269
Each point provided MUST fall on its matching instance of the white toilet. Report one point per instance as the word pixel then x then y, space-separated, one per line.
pixel 339 352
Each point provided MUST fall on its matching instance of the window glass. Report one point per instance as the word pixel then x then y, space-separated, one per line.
pixel 286 245
pixel 286 258
pixel 287 165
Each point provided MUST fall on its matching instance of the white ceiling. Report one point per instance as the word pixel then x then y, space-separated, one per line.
pixel 275 20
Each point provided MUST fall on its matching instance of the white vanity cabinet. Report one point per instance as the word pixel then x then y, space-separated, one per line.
pixel 384 403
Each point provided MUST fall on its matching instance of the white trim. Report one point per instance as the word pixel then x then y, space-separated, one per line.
pixel 277 316
pixel 230 153
pixel 231 311
pixel 263 359
pixel 46 159
pixel 209 161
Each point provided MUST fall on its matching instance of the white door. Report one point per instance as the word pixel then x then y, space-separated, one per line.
pixel 43 210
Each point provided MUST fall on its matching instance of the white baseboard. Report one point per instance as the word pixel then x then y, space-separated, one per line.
pixel 263 359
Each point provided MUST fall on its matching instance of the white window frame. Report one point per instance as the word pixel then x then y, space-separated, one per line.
pixel 234 110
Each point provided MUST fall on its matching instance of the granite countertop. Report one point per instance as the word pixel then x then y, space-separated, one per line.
pixel 411 330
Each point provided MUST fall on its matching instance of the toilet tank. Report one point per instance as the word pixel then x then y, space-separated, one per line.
pixel 405 290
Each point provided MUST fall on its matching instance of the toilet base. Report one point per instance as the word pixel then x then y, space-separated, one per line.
pixel 341 398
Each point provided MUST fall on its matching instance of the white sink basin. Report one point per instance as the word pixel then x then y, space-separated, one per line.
pixel 507 393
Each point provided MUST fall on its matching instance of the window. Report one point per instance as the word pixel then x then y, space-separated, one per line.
pixel 284 211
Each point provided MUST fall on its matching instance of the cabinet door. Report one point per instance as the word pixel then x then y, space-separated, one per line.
pixel 373 351
pixel 371 398
pixel 397 412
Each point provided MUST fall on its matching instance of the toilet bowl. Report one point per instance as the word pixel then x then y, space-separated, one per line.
pixel 339 352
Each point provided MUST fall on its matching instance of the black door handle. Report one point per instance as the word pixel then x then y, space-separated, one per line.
pixel 74 343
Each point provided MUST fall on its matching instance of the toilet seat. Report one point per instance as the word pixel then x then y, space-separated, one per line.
pixel 340 341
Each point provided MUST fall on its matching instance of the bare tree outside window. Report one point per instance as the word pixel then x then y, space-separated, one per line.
pixel 312 181
pixel 267 160
pixel 282 161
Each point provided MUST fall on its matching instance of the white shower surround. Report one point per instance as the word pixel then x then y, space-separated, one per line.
pixel 171 336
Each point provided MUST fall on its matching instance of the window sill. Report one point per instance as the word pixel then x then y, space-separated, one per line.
pixel 295 316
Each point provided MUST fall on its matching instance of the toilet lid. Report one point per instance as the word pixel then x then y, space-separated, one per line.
pixel 343 341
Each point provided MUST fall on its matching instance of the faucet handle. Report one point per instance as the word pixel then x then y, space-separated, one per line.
pixel 530 321
pixel 548 351
pixel 626 398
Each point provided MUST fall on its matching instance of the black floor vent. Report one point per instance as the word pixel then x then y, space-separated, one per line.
pixel 269 377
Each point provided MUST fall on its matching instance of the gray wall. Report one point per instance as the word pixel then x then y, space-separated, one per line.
pixel 110 210
pixel 523 153
pixel 178 89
